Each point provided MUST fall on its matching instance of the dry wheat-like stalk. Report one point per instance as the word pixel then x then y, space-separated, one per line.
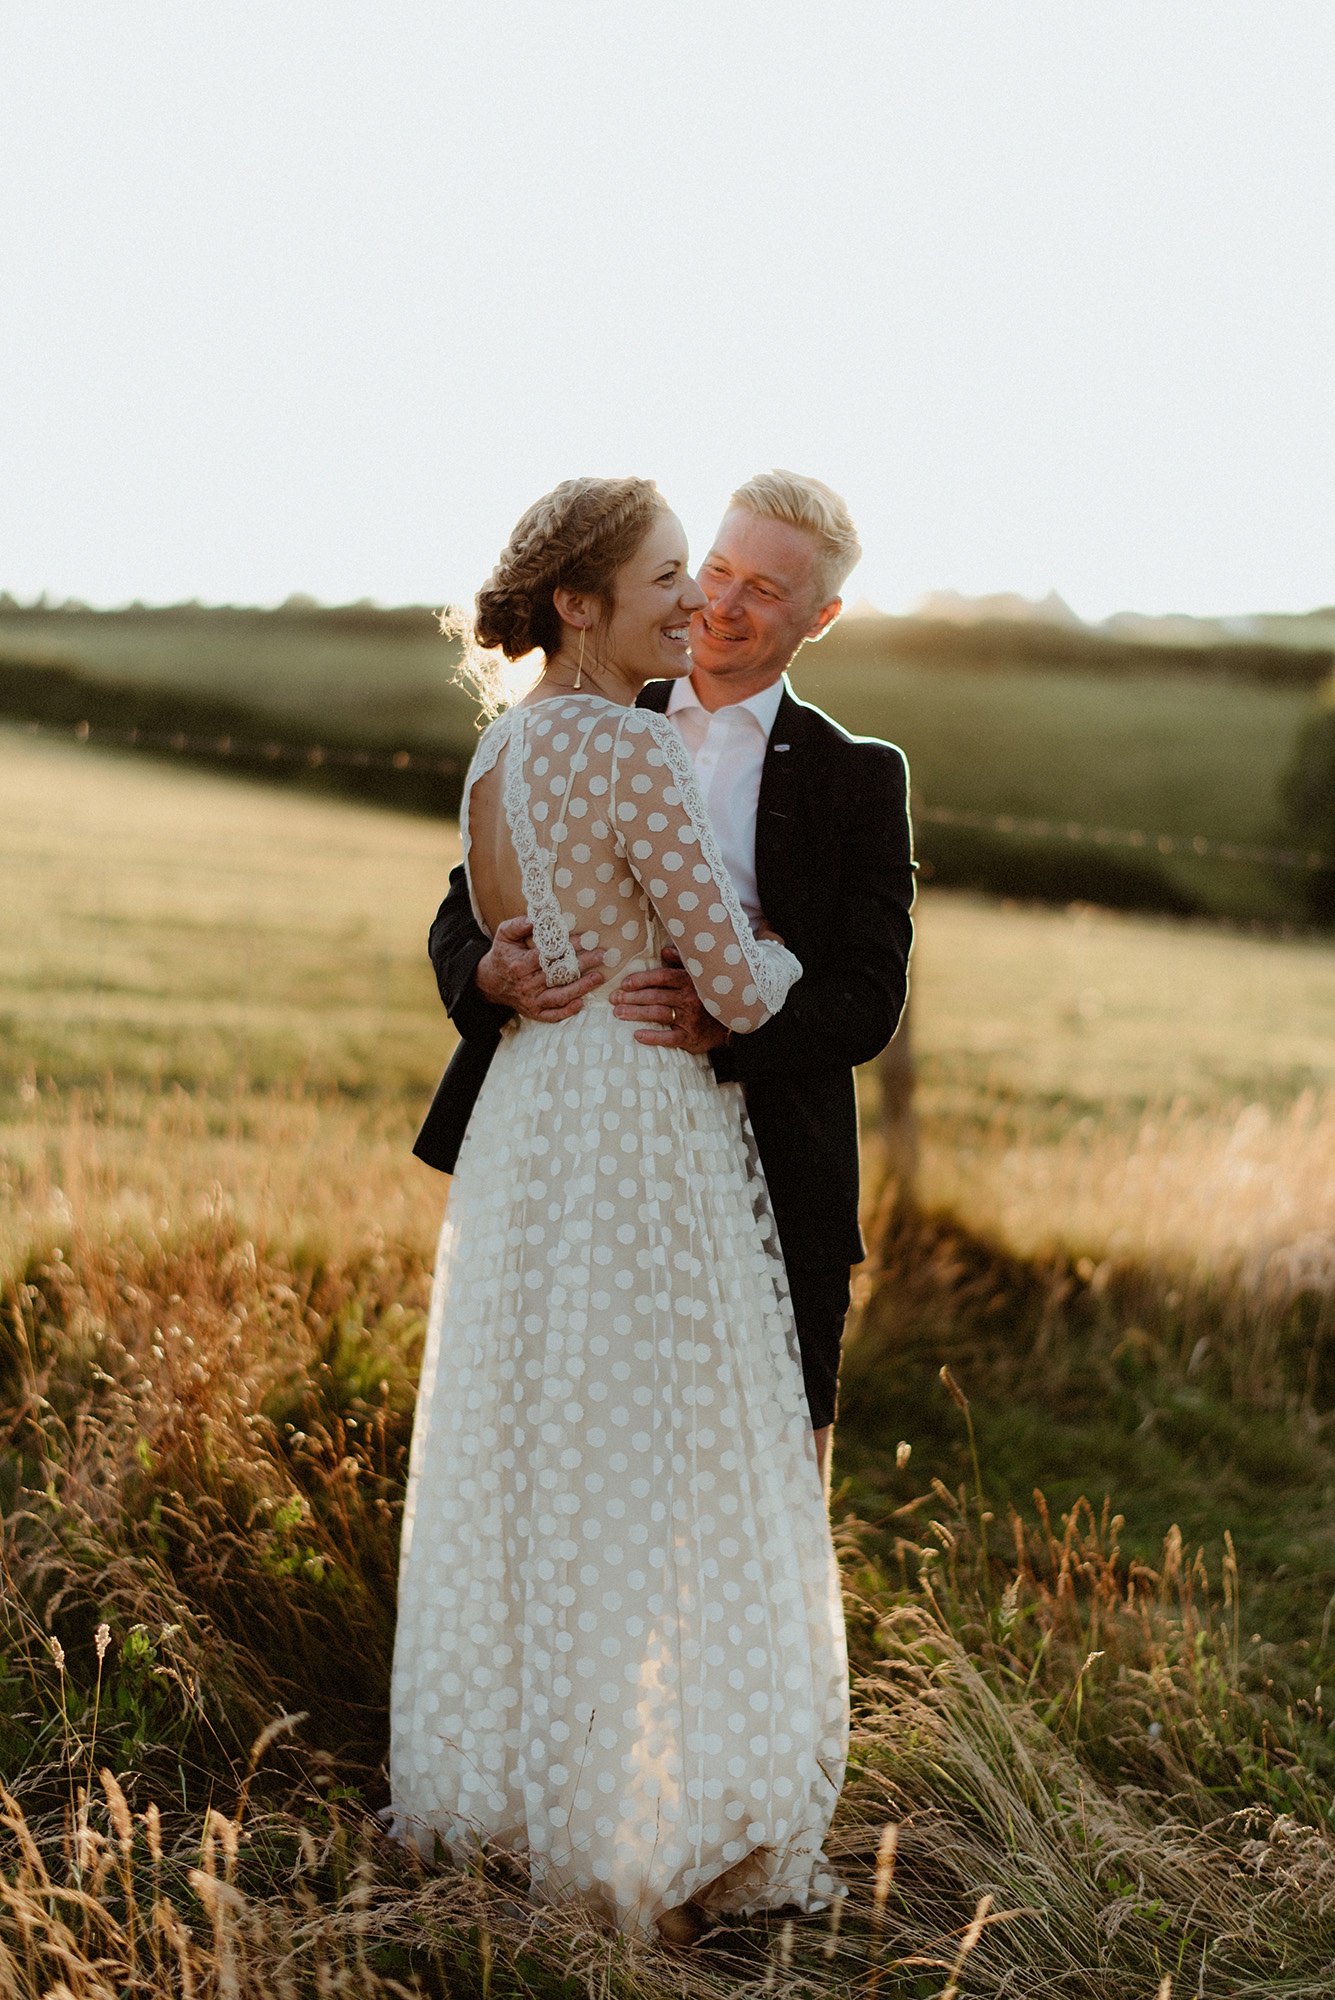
pixel 164 1358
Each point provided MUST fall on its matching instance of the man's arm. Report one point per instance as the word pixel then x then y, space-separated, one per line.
pixel 457 945
pixel 484 981
pixel 845 1014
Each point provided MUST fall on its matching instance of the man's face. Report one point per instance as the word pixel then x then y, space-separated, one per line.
pixel 762 605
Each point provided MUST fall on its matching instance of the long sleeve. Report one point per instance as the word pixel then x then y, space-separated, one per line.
pixel 843 1011
pixel 662 828
pixel 457 946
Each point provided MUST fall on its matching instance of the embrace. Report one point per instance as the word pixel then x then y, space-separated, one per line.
pixel 682 918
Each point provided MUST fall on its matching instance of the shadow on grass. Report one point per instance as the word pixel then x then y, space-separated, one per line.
pixel 1062 1723
pixel 1208 1405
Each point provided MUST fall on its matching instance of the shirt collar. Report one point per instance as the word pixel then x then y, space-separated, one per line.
pixel 763 706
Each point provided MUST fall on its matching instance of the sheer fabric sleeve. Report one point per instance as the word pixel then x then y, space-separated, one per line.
pixel 663 829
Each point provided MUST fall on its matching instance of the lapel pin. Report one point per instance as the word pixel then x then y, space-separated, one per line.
pixel 781 746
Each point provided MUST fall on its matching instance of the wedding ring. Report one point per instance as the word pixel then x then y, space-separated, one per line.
pixel 673 1012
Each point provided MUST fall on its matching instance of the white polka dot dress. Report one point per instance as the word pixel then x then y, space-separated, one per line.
pixel 620 1649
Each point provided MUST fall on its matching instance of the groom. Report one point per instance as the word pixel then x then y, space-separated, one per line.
pixel 814 829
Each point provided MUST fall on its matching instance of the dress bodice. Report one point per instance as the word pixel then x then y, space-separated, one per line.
pixel 617 853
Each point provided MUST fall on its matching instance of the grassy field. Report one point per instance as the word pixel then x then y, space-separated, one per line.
pixel 1095 1008
pixel 373 676
pixel 219 1029
pixel 1162 753
pixel 178 928
pixel 1119 736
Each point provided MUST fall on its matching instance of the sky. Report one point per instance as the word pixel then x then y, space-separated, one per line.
pixel 316 296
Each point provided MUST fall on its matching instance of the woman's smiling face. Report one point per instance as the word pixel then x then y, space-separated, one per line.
pixel 647 635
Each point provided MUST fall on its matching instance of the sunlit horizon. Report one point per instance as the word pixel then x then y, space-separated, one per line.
pixel 974 607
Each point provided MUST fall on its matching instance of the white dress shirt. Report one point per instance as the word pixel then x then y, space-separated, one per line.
pixel 728 750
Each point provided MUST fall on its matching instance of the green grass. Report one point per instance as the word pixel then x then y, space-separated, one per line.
pixel 1142 739
pixel 361 675
pixel 166 926
pixel 219 1029
pixel 1166 753
pixel 1111 1011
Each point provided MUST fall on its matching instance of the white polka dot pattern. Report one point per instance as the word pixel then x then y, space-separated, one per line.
pixel 623 777
pixel 620 1646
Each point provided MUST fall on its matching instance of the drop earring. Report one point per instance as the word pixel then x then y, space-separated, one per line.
pixel 579 669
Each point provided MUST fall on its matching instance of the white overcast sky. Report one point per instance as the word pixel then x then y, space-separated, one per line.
pixel 317 295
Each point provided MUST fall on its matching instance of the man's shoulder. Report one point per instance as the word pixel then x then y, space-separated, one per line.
pixel 820 733
pixel 809 727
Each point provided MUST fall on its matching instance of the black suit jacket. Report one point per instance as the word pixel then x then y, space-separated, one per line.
pixel 834 869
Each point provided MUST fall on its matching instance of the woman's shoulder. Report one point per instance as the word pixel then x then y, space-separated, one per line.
pixel 649 745
pixel 540 719
pixel 587 723
pixel 575 712
pixel 490 743
pixel 649 733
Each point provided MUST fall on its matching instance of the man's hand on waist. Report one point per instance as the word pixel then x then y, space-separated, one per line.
pixel 510 975
pixel 667 1003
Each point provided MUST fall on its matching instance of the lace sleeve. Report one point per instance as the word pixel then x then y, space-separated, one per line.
pixel 551 938
pixel 663 829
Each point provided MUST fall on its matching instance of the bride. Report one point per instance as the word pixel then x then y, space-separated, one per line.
pixel 620 1647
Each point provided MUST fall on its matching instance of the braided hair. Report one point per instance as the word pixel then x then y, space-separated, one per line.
pixel 575 538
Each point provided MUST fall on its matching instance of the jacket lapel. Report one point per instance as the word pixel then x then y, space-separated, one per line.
pixel 781 853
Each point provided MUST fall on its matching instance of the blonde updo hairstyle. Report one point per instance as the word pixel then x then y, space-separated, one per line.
pixel 575 538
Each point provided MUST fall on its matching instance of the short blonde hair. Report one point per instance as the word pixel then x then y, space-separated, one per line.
pixel 812 505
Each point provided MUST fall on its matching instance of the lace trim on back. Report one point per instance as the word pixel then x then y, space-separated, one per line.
pixel 772 967
pixel 551 939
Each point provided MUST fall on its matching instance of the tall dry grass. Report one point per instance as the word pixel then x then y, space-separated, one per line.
pixel 210 1335
pixel 1241 1192
pixel 1090 1789
pixel 311 1173
pixel 1077 1771
pixel 202 1446
pixel 979 1850
pixel 1190 1249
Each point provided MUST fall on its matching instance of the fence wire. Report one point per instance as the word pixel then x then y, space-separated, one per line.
pixel 1073 832
pixel 1053 832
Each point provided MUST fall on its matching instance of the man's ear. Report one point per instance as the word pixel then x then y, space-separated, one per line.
pixel 824 618
pixel 575 607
